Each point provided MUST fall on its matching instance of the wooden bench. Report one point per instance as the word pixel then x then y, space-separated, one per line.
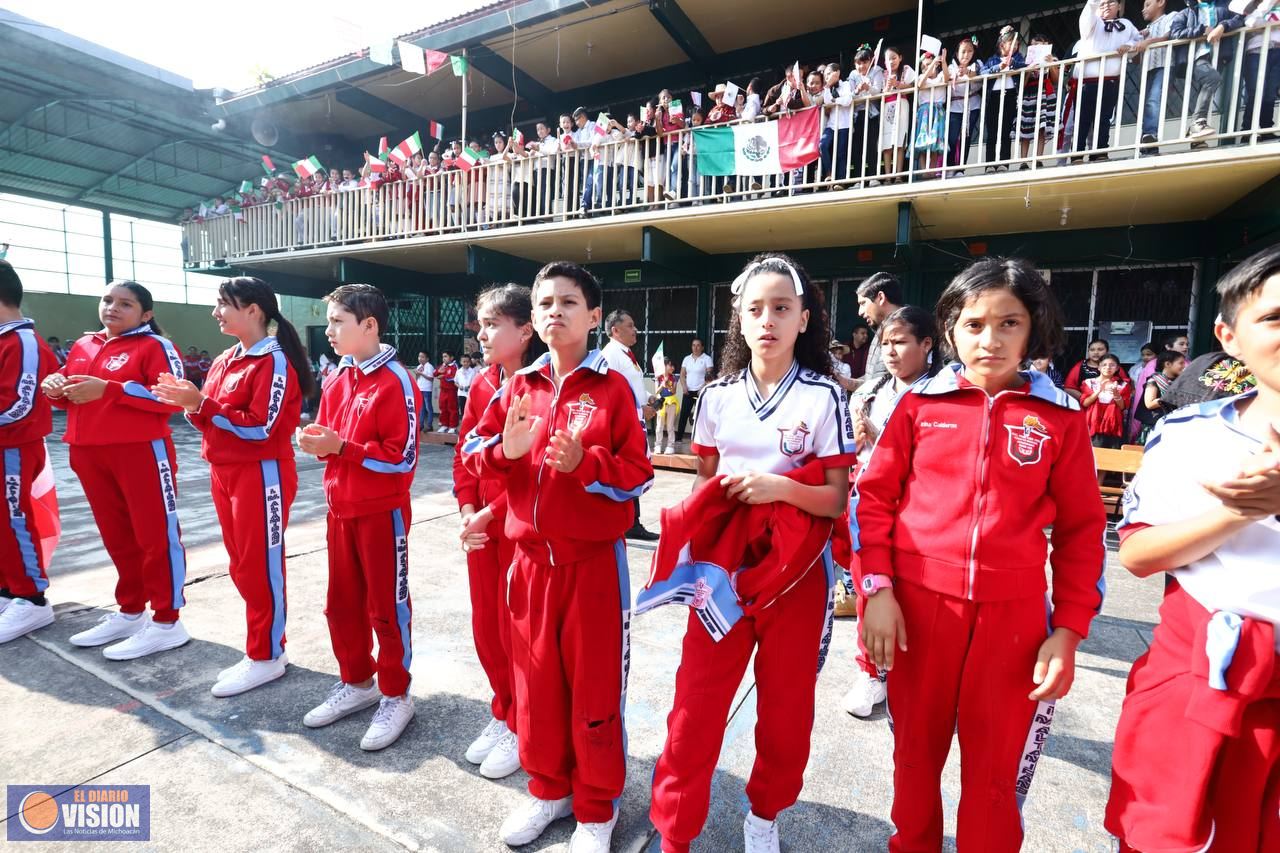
pixel 1124 462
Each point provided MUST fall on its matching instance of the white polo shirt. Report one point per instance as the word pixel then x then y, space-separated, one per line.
pixel 621 359
pixel 695 369
pixel 1205 443
pixel 425 374
pixel 806 415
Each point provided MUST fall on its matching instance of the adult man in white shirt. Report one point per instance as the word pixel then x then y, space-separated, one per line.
pixel 425 375
pixel 694 371
pixel 620 326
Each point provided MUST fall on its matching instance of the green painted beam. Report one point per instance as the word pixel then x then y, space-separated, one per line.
pixel 393 280
pixel 682 30
pixel 392 116
pixel 659 247
pixel 492 266
pixel 499 69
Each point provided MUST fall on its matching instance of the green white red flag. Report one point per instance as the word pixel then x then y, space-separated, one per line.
pixel 267 165
pixel 470 158
pixel 404 152
pixel 383 150
pixel 309 167
pixel 763 148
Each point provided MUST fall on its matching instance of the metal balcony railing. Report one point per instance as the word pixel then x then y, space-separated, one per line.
pixel 1041 117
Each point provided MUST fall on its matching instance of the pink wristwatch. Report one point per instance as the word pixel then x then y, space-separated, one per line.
pixel 871 584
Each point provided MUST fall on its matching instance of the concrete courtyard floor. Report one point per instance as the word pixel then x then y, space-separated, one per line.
pixel 245 774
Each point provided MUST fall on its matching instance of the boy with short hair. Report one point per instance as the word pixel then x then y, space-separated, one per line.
pixel 25 419
pixel 465 376
pixel 1205 507
pixel 1159 23
pixel 563 436
pixel 366 430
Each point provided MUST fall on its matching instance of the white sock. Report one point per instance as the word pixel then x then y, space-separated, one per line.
pixel 131 616
pixel 166 626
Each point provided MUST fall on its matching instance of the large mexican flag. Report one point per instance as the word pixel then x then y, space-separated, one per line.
pixel 759 148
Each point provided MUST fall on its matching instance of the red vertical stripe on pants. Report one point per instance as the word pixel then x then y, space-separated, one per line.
pixel 368 594
pixel 569 653
pixel 21 569
pixel 970 664
pixel 240 497
pixel 785 637
pixel 491 619
pixel 128 495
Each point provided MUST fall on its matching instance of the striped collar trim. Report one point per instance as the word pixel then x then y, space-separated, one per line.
pixel 13 325
pixel 386 354
pixel 267 345
pixel 762 407
pixel 595 361
pixel 1037 385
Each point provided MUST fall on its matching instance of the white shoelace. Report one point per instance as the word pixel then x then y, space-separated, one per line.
pixel 495 728
pixel 337 694
pixel 507 744
pixel 386 710
pixel 761 833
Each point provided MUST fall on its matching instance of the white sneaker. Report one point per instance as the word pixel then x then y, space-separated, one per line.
pixel 112 627
pixel 760 835
pixel 223 673
pixel 593 837
pixel 488 739
pixel 4 603
pixel 22 617
pixel 389 721
pixel 670 451
pixel 867 692
pixel 343 699
pixel 247 675
pixel 442 429
pixel 503 759
pixel 154 637
pixel 532 818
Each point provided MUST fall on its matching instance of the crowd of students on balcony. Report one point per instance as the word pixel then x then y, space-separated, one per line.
pixel 889 118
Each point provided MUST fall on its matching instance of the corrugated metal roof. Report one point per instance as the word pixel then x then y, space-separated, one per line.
pixel 435 27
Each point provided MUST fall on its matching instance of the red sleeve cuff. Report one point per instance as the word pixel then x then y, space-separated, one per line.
pixel 1127 530
pixel 115 390
pixel 468 494
pixel 703 450
pixel 352 452
pixel 494 459
pixel 588 470
pixel 1073 617
pixel 875 560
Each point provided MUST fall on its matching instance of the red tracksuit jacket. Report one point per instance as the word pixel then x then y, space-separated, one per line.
pixel 374 406
pixel 252 405
pixel 961 485
pixel 25 360
pixel 128 412
pixel 469 488
pixel 556 517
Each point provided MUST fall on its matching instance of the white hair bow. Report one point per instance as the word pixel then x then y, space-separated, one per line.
pixel 741 281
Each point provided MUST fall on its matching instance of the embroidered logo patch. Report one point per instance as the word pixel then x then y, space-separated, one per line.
pixel 232 381
pixel 580 412
pixel 701 594
pixel 792 440
pixel 1026 441
pixel 116 362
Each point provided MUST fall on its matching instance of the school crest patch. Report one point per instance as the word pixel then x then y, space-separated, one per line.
pixel 580 412
pixel 792 440
pixel 232 381
pixel 116 362
pixel 1026 440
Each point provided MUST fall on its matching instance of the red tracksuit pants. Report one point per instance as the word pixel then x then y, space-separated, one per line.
pixel 570 653
pixel 1176 782
pixel 491 618
pixel 786 637
pixel 22 572
pixel 368 595
pixel 252 500
pixel 968 663
pixel 133 493
pixel 449 405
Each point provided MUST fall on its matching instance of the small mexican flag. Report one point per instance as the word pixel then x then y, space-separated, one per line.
pixel 308 167
pixel 459 64
pixel 759 149
pixel 435 130
pixel 517 137
pixel 404 152
pixel 435 60
pixel 267 165
pixel 376 166
pixel 677 110
pixel 602 125
pixel 470 157
pixel 246 187
pixel 279 204
pixel 383 151
pixel 659 360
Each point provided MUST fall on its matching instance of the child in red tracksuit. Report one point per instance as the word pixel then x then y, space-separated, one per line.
pixel 25 419
pixel 1196 763
pixel 775 408
pixel 366 430
pixel 563 436
pixel 447 374
pixel 247 410
pixel 969 470
pixel 121 451
pixel 506 339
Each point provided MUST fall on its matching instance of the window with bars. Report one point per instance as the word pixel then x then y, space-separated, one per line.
pixel 665 316
pixel 451 319
pixel 409 325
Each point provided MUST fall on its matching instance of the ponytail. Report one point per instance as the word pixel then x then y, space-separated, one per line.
pixel 144 301
pixel 243 291
pixel 514 301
